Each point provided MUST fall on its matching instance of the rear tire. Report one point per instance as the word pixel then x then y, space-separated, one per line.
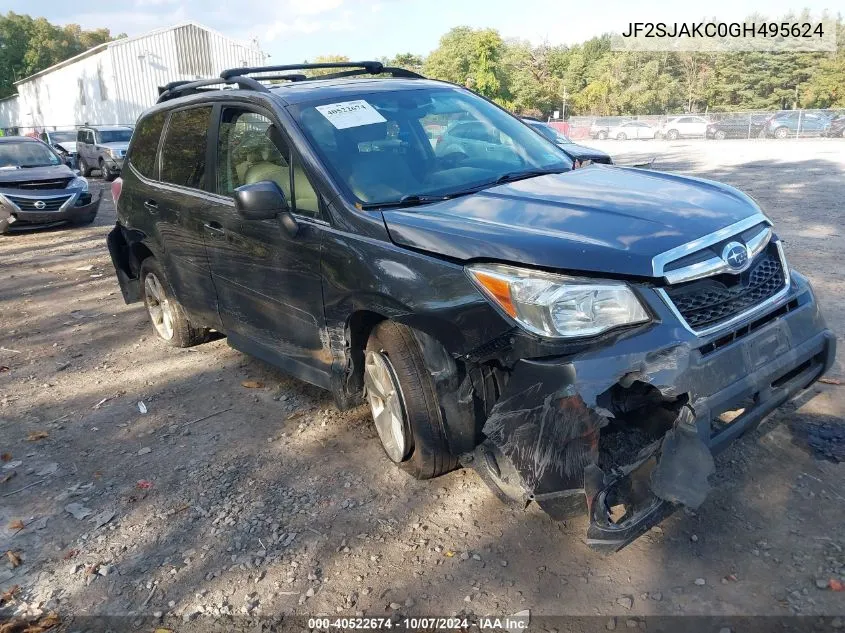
pixel 84 169
pixel 602 136
pixel 781 133
pixel 621 136
pixel 168 317
pixel 426 453
pixel 672 135
pixel 720 135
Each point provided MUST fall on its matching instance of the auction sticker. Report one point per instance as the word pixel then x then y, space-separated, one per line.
pixel 350 114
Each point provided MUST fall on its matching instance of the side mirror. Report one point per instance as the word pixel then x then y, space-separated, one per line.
pixel 265 200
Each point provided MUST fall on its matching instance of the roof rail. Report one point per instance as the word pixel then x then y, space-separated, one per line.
pixel 357 68
pixel 181 88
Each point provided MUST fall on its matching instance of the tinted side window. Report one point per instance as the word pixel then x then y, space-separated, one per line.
pixel 142 150
pixel 183 153
pixel 251 149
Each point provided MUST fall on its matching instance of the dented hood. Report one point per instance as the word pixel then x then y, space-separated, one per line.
pixel 598 219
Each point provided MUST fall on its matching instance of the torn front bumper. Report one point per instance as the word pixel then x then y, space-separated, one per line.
pixel 544 436
pixel 18 211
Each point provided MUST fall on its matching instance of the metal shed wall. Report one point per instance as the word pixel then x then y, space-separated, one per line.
pixel 117 83
pixel 9 112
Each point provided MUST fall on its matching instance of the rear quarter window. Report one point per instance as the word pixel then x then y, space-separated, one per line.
pixel 142 150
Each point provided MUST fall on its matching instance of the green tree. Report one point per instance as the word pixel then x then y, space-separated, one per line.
pixel 29 45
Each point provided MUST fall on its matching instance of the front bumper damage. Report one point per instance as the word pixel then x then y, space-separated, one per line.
pixel 76 206
pixel 628 431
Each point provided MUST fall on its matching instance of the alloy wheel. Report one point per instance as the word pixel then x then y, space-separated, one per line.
pixel 387 405
pixel 159 307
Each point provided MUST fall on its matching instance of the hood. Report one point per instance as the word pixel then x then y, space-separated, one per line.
pixel 581 152
pixel 68 146
pixel 123 145
pixel 597 219
pixel 10 177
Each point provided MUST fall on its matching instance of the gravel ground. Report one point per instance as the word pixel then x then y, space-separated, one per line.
pixel 240 491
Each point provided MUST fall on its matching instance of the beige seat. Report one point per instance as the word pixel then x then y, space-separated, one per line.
pixel 269 171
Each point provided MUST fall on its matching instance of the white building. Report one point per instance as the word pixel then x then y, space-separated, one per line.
pixel 114 82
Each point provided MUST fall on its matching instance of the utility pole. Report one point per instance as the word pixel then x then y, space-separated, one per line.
pixel 563 112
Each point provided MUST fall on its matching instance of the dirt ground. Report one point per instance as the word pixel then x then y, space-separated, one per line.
pixel 264 500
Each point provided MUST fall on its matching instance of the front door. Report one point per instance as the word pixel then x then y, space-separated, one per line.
pixel 268 282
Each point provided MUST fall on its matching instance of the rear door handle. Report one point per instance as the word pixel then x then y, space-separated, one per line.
pixel 151 206
pixel 215 228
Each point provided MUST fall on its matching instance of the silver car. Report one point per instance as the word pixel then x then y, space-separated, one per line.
pixel 102 147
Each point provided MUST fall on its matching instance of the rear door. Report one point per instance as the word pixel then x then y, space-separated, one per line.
pixel 178 202
pixel 268 282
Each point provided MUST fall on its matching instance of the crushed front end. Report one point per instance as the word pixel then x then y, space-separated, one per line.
pixel 626 426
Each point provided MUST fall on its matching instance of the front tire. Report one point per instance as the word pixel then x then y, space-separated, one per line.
pixel 672 135
pixel 399 384
pixel 781 133
pixel 602 136
pixel 720 135
pixel 105 173
pixel 621 136
pixel 170 322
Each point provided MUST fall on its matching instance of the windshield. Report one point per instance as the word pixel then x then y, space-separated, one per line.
pixel 387 147
pixel 115 136
pixel 63 137
pixel 550 133
pixel 26 154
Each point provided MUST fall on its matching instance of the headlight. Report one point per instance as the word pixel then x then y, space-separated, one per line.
pixel 109 151
pixel 557 306
pixel 78 182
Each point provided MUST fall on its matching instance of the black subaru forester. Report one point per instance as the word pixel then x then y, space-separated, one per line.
pixel 584 339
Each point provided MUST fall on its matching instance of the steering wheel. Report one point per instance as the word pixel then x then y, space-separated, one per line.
pixel 453 158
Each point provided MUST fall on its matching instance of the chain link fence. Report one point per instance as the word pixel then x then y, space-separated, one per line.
pixel 781 124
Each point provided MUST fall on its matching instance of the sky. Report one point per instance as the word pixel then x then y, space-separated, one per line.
pixel 295 30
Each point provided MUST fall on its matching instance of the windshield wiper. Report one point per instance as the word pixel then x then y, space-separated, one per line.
pixel 413 200
pixel 513 176
pixel 33 165
pixel 410 200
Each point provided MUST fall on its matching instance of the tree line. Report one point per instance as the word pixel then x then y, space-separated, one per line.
pixel 536 79
pixel 594 80
pixel 29 45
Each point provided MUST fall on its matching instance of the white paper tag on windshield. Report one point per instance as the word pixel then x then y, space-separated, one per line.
pixel 350 114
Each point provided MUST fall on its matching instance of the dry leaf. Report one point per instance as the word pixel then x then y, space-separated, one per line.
pixel 17 524
pixel 70 554
pixel 14 558
pixel 4 368
pixel 830 381
pixel 835 584
pixel 7 477
pixel 252 384
pixel 9 595
pixel 31 625
pixel 143 484
pixel 37 435
pixel 6 457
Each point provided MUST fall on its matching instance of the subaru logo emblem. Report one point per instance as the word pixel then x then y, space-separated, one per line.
pixel 735 255
pixel 39 204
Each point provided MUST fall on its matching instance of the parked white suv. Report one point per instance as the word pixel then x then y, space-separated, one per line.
pixel 684 126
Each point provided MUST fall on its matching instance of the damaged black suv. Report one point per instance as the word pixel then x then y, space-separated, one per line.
pixel 584 339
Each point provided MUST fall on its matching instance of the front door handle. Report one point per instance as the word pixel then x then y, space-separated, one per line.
pixel 151 205
pixel 215 228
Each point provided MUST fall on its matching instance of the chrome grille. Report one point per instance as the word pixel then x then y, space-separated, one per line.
pixel 28 204
pixel 706 303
